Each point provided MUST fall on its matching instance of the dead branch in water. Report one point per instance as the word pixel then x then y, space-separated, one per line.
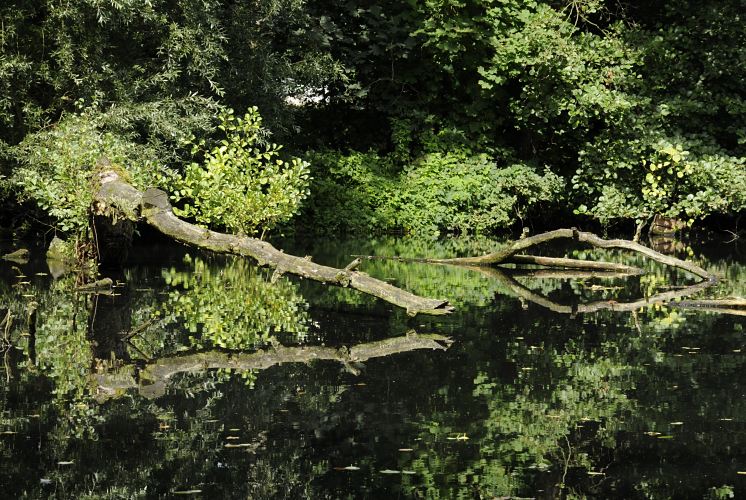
pixel 509 254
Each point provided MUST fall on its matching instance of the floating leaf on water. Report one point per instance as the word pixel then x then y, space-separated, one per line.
pixel 349 467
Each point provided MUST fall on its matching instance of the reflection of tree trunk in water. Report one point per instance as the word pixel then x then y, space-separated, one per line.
pixel 110 318
pixel 32 334
pixel 612 305
pixel 119 199
pixel 113 240
pixel 158 373
pixel 734 306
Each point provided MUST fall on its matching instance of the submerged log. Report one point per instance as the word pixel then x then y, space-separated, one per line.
pixel 119 199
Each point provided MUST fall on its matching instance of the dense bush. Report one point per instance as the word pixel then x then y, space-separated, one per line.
pixel 56 166
pixel 456 192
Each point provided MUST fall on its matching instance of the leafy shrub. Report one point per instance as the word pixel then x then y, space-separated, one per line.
pixel 462 193
pixel 349 192
pixel 455 192
pixel 56 165
pixel 242 185
pixel 681 177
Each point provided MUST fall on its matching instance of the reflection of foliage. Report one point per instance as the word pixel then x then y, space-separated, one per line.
pixel 459 286
pixel 530 425
pixel 61 343
pixel 234 306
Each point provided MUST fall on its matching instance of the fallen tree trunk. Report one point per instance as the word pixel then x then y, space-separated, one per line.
pixel 509 253
pixel 119 199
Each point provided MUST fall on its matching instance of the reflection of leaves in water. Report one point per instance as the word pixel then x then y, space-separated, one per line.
pixel 234 306
pixel 529 425
pixel 63 354
pixel 63 351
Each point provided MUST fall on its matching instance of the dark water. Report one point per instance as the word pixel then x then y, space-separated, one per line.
pixel 335 395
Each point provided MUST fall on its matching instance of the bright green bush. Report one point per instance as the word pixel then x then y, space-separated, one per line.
pixel 440 191
pixel 241 185
pixel 460 193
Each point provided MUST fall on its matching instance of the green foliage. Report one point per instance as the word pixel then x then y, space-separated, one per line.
pixel 687 180
pixel 242 184
pixel 57 165
pixel 349 192
pixel 589 88
pixel 440 191
pixel 469 194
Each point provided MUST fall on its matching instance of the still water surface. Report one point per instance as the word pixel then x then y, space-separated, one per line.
pixel 331 394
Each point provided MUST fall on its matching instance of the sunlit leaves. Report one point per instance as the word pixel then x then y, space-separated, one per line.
pixel 242 184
